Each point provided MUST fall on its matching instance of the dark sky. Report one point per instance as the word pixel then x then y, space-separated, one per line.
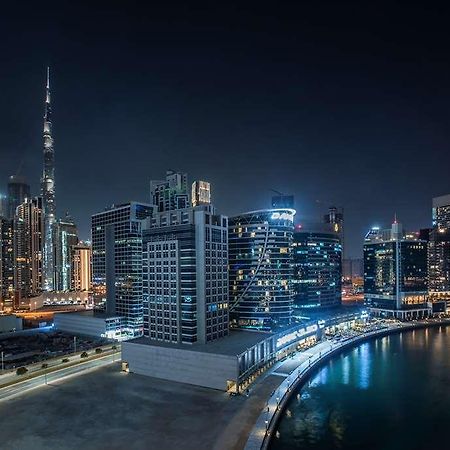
pixel 338 103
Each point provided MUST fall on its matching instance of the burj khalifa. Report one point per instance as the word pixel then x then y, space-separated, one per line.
pixel 48 196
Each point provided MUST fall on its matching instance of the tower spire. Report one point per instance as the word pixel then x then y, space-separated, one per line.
pixel 47 92
pixel 48 194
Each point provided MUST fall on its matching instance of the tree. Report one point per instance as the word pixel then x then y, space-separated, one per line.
pixel 98 351
pixel 21 371
pixel 84 355
pixel 65 360
pixel 44 366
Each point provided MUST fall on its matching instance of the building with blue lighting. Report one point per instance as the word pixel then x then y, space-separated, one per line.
pixel 260 268
pixel 317 259
pixel 185 275
pixel 395 273
pixel 117 263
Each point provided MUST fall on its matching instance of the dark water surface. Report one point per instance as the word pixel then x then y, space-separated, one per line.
pixel 391 393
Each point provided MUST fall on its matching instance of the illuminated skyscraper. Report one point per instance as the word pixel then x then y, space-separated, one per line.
pixel 81 267
pixel 260 260
pixel 117 263
pixel 48 195
pixel 317 255
pixel 7 258
pixel 65 237
pixel 395 273
pixel 185 275
pixel 439 250
pixel 336 219
pixel 201 193
pixel 28 227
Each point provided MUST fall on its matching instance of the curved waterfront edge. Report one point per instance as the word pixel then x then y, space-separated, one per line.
pixel 269 417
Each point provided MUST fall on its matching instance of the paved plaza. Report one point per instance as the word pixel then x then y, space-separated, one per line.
pixel 108 409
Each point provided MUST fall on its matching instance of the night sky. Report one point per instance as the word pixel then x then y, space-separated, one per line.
pixel 344 104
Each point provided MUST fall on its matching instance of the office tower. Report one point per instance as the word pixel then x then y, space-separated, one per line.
pixel 171 193
pixel 336 219
pixel 185 279
pixel 201 193
pixel 28 232
pixel 7 258
pixel 317 255
pixel 48 195
pixel 283 201
pixel 65 237
pixel 439 250
pixel 4 205
pixel 395 273
pixel 260 262
pixel 81 267
pixel 117 262
pixel 18 191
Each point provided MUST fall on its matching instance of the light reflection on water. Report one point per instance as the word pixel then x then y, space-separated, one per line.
pixel 385 391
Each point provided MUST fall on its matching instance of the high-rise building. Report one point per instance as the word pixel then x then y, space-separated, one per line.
pixel 65 238
pixel 336 219
pixel 7 258
pixel 171 193
pixel 81 267
pixel 18 191
pixel 117 262
pixel 260 262
pixel 48 195
pixel 439 250
pixel 317 255
pixel 4 205
pixel 185 275
pixel 201 193
pixel 28 232
pixel 395 273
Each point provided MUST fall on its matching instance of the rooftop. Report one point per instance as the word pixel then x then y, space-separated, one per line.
pixel 234 344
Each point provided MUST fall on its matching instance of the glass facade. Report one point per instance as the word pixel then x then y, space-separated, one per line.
pixel 28 232
pixel 65 237
pixel 439 250
pixel 260 264
pixel 117 262
pixel 317 269
pixel 395 274
pixel 7 258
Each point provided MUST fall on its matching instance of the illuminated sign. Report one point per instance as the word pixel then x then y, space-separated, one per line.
pixel 295 335
pixel 282 216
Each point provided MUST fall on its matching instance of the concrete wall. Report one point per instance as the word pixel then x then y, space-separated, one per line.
pixel 80 324
pixel 10 323
pixel 185 366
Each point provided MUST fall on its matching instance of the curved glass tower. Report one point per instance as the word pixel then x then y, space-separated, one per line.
pixel 260 258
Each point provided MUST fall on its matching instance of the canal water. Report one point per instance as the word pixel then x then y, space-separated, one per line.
pixel 390 393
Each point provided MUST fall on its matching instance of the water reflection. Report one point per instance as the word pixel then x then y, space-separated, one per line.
pixel 386 391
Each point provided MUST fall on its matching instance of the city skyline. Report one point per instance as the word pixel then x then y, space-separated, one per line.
pixel 224 225
pixel 218 90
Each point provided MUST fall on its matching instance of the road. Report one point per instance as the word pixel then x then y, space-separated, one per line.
pixel 57 376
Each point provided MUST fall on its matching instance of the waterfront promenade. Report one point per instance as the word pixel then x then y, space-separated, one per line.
pixel 296 370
